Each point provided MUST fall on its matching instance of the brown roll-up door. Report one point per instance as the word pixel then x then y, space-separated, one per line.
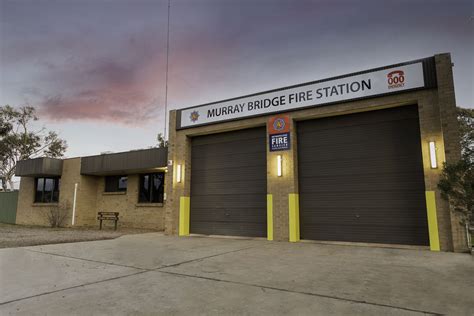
pixel 361 178
pixel 229 183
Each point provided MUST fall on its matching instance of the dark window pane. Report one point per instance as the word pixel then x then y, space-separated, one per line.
pixel 122 184
pixel 146 183
pixel 157 193
pixel 144 195
pixel 57 182
pixel 40 184
pixel 48 184
pixel 109 184
pixel 115 183
pixel 39 189
pixel 151 188
pixel 47 190
pixel 55 196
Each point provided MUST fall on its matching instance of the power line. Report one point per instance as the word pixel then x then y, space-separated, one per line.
pixel 167 66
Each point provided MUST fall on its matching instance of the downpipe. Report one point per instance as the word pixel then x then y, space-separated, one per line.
pixel 469 238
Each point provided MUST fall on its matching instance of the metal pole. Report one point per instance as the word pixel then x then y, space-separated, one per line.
pixel 74 205
pixel 167 66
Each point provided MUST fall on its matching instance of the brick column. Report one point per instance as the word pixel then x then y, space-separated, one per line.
pixel 430 130
pixel 280 188
pixel 450 134
pixel 179 152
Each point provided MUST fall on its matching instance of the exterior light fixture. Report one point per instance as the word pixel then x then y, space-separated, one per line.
pixel 279 165
pixel 178 173
pixel 433 161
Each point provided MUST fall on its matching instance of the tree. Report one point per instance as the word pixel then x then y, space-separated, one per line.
pixel 161 141
pixel 5 128
pixel 457 180
pixel 466 128
pixel 457 187
pixel 19 141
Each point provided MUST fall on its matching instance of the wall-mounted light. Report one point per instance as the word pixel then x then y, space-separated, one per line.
pixel 279 162
pixel 178 173
pixel 433 160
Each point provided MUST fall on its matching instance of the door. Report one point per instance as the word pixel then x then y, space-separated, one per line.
pixel 361 178
pixel 229 183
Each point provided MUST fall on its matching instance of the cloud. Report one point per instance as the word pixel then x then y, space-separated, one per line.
pixel 111 67
pixel 94 62
pixel 106 63
pixel 122 86
pixel 134 108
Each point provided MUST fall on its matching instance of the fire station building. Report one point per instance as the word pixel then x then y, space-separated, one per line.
pixel 353 159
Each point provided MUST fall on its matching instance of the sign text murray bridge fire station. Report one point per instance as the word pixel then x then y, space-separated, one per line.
pixel 350 87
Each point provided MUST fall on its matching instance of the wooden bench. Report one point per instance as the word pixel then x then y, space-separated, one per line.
pixel 108 216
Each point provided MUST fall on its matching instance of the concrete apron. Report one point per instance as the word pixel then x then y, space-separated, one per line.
pixel 156 274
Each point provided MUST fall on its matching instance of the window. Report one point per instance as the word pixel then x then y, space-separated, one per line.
pixel 47 190
pixel 116 183
pixel 151 188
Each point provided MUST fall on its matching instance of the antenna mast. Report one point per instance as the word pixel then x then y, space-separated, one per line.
pixel 167 66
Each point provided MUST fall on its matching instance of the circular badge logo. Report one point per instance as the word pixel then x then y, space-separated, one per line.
pixel 194 116
pixel 279 124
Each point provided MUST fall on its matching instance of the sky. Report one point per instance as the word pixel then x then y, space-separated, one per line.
pixel 95 69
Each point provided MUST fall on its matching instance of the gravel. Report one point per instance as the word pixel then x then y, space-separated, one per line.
pixel 21 236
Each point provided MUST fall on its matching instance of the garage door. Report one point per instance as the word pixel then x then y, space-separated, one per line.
pixel 361 178
pixel 229 184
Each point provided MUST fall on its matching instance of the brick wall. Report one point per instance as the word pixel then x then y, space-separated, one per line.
pixel 31 213
pixel 437 122
pixel 90 199
pixel 132 213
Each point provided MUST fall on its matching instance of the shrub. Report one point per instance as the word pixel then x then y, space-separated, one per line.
pixel 57 215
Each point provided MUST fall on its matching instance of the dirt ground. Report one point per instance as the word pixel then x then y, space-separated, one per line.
pixel 21 236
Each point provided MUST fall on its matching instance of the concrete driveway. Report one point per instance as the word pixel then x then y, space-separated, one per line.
pixel 155 274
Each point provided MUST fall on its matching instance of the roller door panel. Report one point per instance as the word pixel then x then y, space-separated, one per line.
pixel 226 202
pixel 227 149
pixel 361 178
pixel 231 187
pixel 250 173
pixel 232 162
pixel 228 184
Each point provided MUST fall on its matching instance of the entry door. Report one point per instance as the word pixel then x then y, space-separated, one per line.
pixel 361 178
pixel 229 183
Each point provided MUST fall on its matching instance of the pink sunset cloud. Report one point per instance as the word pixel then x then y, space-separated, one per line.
pixel 97 61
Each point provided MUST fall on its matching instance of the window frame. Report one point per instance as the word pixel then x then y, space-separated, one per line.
pixel 40 196
pixel 115 188
pixel 152 193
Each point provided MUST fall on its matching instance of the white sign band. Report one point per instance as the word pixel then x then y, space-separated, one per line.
pixel 368 84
